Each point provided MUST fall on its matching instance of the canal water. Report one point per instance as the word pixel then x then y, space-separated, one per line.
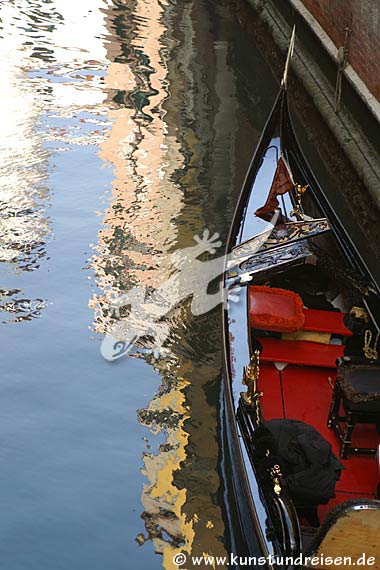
pixel 126 131
pixel 127 128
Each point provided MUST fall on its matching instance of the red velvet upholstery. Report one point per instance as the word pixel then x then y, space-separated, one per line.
pixel 300 352
pixel 325 321
pixel 275 309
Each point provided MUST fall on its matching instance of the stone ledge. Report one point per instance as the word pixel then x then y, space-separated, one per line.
pixel 349 72
pixel 346 128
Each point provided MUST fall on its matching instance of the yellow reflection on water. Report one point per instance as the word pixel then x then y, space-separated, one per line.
pixel 163 502
pixel 178 498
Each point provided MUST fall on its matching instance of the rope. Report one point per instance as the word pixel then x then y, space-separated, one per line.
pixel 342 57
pixel 370 352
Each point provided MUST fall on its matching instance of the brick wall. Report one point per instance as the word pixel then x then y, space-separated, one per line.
pixel 363 18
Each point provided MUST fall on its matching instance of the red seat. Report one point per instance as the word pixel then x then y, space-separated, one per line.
pixel 279 310
pixel 325 321
pixel 275 309
pixel 300 352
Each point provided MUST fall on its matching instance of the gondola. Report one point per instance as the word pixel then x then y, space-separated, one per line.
pixel 301 380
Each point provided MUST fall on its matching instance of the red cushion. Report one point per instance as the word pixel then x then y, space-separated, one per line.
pixel 325 321
pixel 275 309
pixel 300 352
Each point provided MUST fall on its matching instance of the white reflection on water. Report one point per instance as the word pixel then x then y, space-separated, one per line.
pixel 52 63
pixel 23 224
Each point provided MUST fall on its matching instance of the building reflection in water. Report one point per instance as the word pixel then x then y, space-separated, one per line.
pixel 163 125
pixel 50 69
pixel 23 162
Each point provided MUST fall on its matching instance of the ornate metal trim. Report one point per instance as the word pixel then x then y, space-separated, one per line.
pixel 276 257
pixel 294 231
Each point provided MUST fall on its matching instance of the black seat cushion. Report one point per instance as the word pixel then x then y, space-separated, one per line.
pixel 310 468
pixel 360 385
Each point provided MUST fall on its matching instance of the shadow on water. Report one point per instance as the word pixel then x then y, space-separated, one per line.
pixel 129 127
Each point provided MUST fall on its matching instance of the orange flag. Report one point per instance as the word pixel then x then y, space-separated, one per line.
pixel 282 183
